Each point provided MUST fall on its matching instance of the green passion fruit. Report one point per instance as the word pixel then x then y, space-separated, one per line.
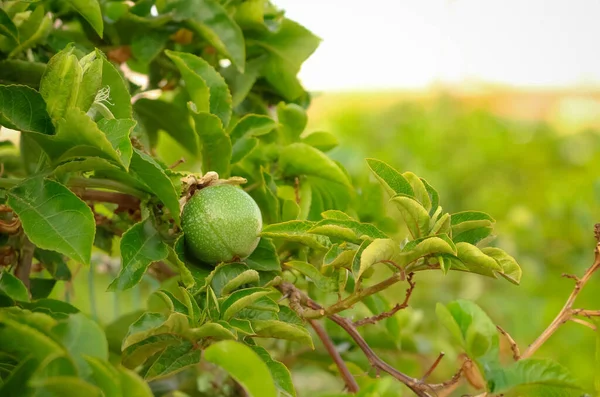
pixel 221 223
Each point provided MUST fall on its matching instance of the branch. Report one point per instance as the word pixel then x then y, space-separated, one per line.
pixel 298 298
pixel 567 312
pixel 349 380
pixel 584 323
pixel 23 268
pixel 433 366
pixel 394 310
pixel 513 345
pixel 125 201
pixel 357 297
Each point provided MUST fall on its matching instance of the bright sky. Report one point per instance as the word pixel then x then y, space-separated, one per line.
pixel 388 44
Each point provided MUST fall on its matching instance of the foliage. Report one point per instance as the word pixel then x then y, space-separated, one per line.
pixel 219 80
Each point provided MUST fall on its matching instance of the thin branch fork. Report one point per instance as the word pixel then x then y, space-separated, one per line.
pixel 298 299
pixel 567 312
pixel 513 345
pixel 395 309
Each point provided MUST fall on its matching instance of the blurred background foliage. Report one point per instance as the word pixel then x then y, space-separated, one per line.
pixel 530 159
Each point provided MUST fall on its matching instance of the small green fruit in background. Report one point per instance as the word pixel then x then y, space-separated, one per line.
pixel 221 223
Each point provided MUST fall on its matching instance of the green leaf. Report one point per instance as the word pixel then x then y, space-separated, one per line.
pixel 247 277
pixel 7 27
pixel 282 330
pixel 174 120
pixel 54 263
pixel 351 230
pixel 66 386
pixel 60 84
pixel 33 31
pixel 184 273
pixel 55 308
pixel 472 236
pixel 117 132
pixel 244 365
pixel 476 261
pixel 16 71
pixel 41 287
pixel 338 215
pixel 90 10
pixel 13 287
pixel 510 268
pixel 434 197
pixel 210 330
pixel 105 376
pixel 244 134
pixel 292 119
pixel 151 324
pixel 472 329
pixel 442 225
pixel 240 300
pixel 82 337
pixel 23 109
pixel 14 329
pixel 322 282
pixel 338 257
pixel 141 245
pixel 147 170
pixel 77 136
pixel 425 247
pixel 132 385
pixel 211 20
pixel 530 374
pixel 136 354
pixel 421 193
pixel 264 258
pixel 85 165
pixel 216 145
pixel 148 44
pixel 91 81
pixel 287 49
pixel 264 195
pixel 281 375
pixel 415 215
pixel 324 141
pixel 223 274
pixel 171 360
pixel 206 85
pixel 54 218
pixel 381 249
pixel 393 181
pixel 119 102
pixel 301 159
pixel 296 231
pixel 467 216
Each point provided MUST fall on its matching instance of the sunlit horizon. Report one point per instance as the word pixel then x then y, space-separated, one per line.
pixel 390 45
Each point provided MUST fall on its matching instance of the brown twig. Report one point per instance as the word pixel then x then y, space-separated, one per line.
pixel 177 163
pixel 395 309
pixel 349 380
pixel 452 381
pixel 513 345
pixel 298 298
pixel 23 269
pixel 125 201
pixel 357 297
pixel 583 322
pixel 566 313
pixel 433 367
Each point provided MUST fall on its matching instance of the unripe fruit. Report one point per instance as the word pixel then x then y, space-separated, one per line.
pixel 221 223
